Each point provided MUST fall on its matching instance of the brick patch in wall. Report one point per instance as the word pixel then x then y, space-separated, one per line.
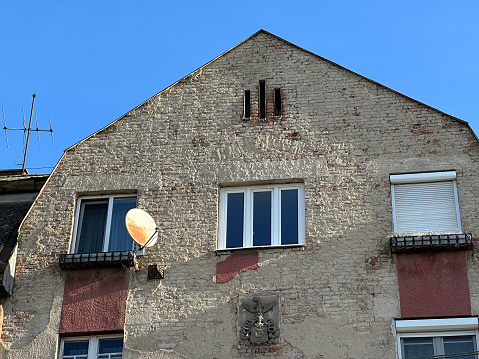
pixel 235 264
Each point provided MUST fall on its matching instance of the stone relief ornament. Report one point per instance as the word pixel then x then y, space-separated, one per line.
pixel 258 320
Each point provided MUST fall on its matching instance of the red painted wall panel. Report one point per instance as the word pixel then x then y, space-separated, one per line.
pixel 94 300
pixel 433 284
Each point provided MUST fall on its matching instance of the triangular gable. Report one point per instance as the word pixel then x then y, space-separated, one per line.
pixel 261 31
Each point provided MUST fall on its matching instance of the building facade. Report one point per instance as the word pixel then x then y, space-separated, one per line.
pixel 304 211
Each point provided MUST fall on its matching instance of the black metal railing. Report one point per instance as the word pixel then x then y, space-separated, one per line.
pixel 97 260
pixel 431 242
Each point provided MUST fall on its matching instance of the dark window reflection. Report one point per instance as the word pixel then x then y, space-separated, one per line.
pixel 289 216
pixel 234 222
pixel 262 218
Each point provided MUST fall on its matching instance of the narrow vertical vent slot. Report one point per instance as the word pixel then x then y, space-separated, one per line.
pixel 277 102
pixel 262 99
pixel 247 104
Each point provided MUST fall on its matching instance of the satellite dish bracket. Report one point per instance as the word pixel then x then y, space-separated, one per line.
pixel 148 241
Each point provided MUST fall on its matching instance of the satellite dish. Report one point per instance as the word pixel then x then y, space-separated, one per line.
pixel 141 227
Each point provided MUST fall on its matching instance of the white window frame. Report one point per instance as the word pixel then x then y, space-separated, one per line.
pixel 248 214
pixel 93 344
pixel 106 235
pixel 446 176
pixel 435 328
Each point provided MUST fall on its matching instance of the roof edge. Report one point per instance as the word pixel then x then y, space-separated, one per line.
pixel 165 89
pixel 292 44
pixel 20 227
pixel 373 81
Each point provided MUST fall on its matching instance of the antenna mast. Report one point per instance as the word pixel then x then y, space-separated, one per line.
pixel 28 133
pixel 27 130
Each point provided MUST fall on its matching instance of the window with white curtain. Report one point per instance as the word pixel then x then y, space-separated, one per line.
pixel 100 224
pixel 425 203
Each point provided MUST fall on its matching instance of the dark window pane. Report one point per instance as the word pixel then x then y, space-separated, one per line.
pixel 75 348
pixel 92 226
pixel 417 347
pixel 120 239
pixel 459 344
pixel 261 218
pixel 289 216
pixel 234 222
pixel 110 346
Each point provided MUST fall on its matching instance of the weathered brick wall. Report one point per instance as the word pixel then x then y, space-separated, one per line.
pixel 339 133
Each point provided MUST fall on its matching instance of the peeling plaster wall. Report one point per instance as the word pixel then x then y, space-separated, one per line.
pixel 339 133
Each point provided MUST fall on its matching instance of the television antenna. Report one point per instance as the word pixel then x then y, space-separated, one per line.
pixel 27 130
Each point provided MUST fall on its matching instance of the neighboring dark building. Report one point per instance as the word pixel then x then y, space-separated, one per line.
pixel 18 191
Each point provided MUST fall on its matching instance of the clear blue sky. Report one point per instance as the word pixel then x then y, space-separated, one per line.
pixel 89 62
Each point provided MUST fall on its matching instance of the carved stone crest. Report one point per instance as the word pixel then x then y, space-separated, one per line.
pixel 258 320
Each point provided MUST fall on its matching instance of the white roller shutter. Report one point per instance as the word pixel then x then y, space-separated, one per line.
pixel 425 208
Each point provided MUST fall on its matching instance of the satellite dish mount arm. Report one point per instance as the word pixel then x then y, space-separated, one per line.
pixel 148 241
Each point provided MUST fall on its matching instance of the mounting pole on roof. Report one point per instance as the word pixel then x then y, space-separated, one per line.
pixel 28 133
pixel 5 126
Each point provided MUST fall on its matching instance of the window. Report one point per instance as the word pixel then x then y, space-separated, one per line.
pixel 457 337
pixel 91 348
pixel 100 224
pixel 425 203
pixel 270 215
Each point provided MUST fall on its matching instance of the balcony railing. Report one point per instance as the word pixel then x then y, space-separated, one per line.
pixel 431 242
pixel 98 260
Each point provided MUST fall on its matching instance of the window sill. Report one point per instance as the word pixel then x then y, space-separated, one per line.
pixel 98 260
pixel 250 249
pixel 431 242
